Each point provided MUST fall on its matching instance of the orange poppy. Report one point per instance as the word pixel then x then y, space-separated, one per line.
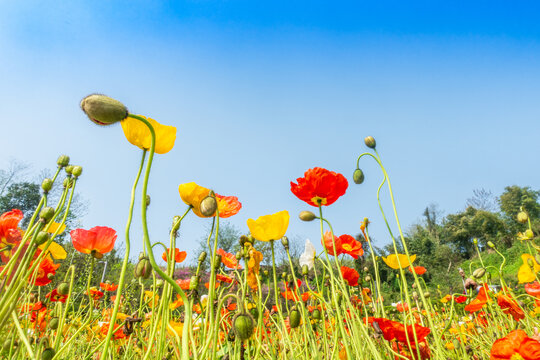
pixel 510 307
pixel 46 270
pixel 401 307
pixel 177 303
pixel 10 235
pixel 118 334
pixel 329 244
pixel 228 205
pixel 95 293
pixel 515 343
pixel 395 330
pixel 108 287
pixel 183 283
pixel 319 187
pixel 207 285
pixel 179 256
pixel 419 270
pixel 349 245
pixel 224 278
pixel 480 300
pixel 253 265
pixel 460 299
pixel 533 289
pixel 229 260
pixel 96 241
pixel 350 275
pixel 55 296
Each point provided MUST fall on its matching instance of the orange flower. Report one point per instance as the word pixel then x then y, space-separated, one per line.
pixel 395 330
pixel 401 307
pixel 118 334
pixel 509 306
pixel 228 205
pixel 224 278
pixel 96 241
pixel 533 289
pixel 350 246
pixel 320 187
pixel 253 265
pixel 183 283
pixel 480 301
pixel 461 299
pixel 179 256
pixel 9 234
pixel 95 293
pixel 350 275
pixel 45 270
pixel 329 245
pixel 515 343
pixel 108 287
pixel 419 270
pixel 176 304
pixel 55 296
pixel 193 194
pixel 229 260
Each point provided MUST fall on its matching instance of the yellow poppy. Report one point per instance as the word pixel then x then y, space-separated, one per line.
pixel 175 328
pixel 253 267
pixel 55 250
pixel 269 227
pixel 54 226
pixel 192 194
pixel 400 260
pixel 527 235
pixel 138 134
pixel 525 273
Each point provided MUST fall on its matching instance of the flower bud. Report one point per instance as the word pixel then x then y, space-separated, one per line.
pixel 305 270
pixel 159 283
pixel 285 242
pixel 358 176
pixel 47 185
pixel 266 273
pixel 53 323
pixel 366 269
pixel 42 237
pixel 284 275
pixel 251 239
pixel 427 294
pixel 243 325
pixel 46 214
pixel 147 200
pixel 478 273
pixel 367 278
pixel 290 279
pixel 143 269
pixel 415 295
pixel 67 183
pixel 307 216
pixel 76 171
pixel 217 261
pixel 239 255
pixel 103 110
pixel 48 354
pixel 202 256
pixel 63 161
pixel 194 282
pixel 316 314
pixel 63 288
pixel 50 276
pixel 68 169
pixel 208 206
pixel 243 239
pixel 522 217
pixel 294 318
pixel 370 142
pixel 475 241
pixel 491 245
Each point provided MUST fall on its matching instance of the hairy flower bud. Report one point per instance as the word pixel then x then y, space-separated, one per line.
pixel 285 242
pixel 243 325
pixel 68 182
pixel 143 269
pixel 63 288
pixel 239 255
pixel 208 206
pixel 63 161
pixel 522 217
pixel 478 273
pixel 367 278
pixel 48 354
pixel 427 294
pixel 491 245
pixel 194 282
pixel 68 169
pixel 47 185
pixel 358 176
pixel 305 270
pixel 202 256
pixel 103 110
pixel 148 199
pixel 307 216
pixel 76 171
pixel 370 142
pixel 316 314
pixel 46 214
pixel 53 323
pixel 42 237
pixel 294 318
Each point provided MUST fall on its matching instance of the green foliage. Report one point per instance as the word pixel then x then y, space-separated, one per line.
pixel 515 198
pixel 24 196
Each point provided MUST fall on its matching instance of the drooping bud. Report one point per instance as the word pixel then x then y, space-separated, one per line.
pixel 294 318
pixel 202 256
pixel 478 273
pixel 427 294
pixel 103 110
pixel 208 205
pixel 47 185
pixel 143 269
pixel 358 176
pixel 46 214
pixel 42 237
pixel 243 239
pixel 370 142
pixel 239 255
pixel 285 242
pixel 522 217
pixel 243 325
pixel 62 288
pixel 491 245
pixel 307 216
pixel 63 161
pixel 48 354
pixel 76 171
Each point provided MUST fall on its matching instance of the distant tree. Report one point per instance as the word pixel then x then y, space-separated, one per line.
pixel 24 196
pixel 483 199
pixel 513 198
pixel 227 240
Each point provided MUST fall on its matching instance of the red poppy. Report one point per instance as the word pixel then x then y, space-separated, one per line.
pixel 419 270
pixel 479 302
pixel 350 246
pixel 10 235
pixel 231 306
pixel 224 278
pixel 228 205
pixel 95 293
pixel 45 272
pixel 510 307
pixel 320 187
pixel 229 260
pixel 395 330
pixel 179 256
pixel 108 287
pixel 329 245
pixel 515 343
pixel 55 296
pixel 118 334
pixel 298 284
pixel 401 307
pixel 184 284
pixel 461 299
pixel 207 285
pixel 350 275
pixel 96 241
pixel 533 289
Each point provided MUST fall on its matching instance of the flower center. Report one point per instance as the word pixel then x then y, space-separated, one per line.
pixel 317 200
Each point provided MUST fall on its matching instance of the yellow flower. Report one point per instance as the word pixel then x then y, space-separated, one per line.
pixel 269 227
pixel 527 235
pixel 394 261
pixel 54 226
pixel 175 328
pixel 151 298
pixel 192 194
pixel 525 273
pixel 253 267
pixel 138 134
pixel 55 250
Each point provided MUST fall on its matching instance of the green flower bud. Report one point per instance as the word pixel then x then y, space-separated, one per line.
pixel 358 176
pixel 217 261
pixel 63 288
pixel 202 256
pixel 42 237
pixel 68 183
pixel 48 354
pixel 47 185
pixel 243 239
pixel 251 239
pixel 294 318
pixel 147 200
pixel 76 171
pixel 194 282
pixel 266 273
pixel 255 313
pixel 285 242
pixel 522 217
pixel 46 214
pixel 305 270
pixel 370 142
pixel 63 161
pixel 307 216
pixel 53 323
pixel 316 314
pixel 208 206
pixel 475 241
pixel 478 273
pixel 290 278
pixel 366 269
pixel 68 169
pixel 243 325
pixel 103 110
pixel 50 276
pixel 427 294
pixel 284 275
pixel 491 245
pixel 143 269
pixel 239 255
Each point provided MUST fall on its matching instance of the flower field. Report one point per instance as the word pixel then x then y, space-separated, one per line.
pixel 321 307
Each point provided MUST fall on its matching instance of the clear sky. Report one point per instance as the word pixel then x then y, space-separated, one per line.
pixel 262 91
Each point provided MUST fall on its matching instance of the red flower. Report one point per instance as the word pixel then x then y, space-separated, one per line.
pixel 10 235
pixel 460 299
pixel 350 275
pixel 46 270
pixel 320 187
pixel 108 287
pixel 96 241
pixel 184 284
pixel 329 245
pixel 510 307
pixel 179 256
pixel 228 205
pixel 55 296
pixel 401 307
pixel 419 270
pixel 533 289
pixel 95 293
pixel 224 278
pixel 479 302
pixel 515 343
pixel 350 246
pixel 229 260
pixel 395 330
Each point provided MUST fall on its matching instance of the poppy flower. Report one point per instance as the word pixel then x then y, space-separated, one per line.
pixel 177 303
pixel 401 307
pixel 207 285
pixel 138 134
pixel 151 298
pixel 94 293
pixel 351 246
pixel 329 244
pixel 108 287
pixel 419 270
pixel 480 300
pixel 269 227
pixel 308 256
pixel 192 194
pixel 97 241
pixel 395 330
pixel 183 283
pixel 525 273
pixel 228 259
pixel 224 278
pixel 533 289
pixel 10 235
pixel 510 307
pixel 228 205
pixel 460 299
pixel 350 275
pixel 319 187
pixel 399 261
pixel 55 250
pixel 179 256
pixel 253 267
pixel 446 298
pixel 118 334
pixel 515 345
pixel 45 271
pixel 55 296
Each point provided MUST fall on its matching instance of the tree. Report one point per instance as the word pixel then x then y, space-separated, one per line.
pixel 24 196
pixel 227 240
pixel 515 198
pixel 483 199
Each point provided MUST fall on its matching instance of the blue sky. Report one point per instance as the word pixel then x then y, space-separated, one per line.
pixel 262 91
